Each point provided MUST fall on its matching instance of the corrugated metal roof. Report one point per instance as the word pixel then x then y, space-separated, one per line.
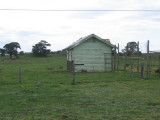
pixel 81 40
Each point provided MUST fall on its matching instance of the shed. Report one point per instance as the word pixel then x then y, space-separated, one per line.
pixel 91 54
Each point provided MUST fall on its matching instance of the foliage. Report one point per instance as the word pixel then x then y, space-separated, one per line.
pixel 120 54
pixel 11 49
pixel 157 70
pixel 59 53
pixel 40 49
pixel 131 49
pixel 21 52
pixel 2 52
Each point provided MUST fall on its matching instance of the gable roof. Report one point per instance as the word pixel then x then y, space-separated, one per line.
pixel 83 39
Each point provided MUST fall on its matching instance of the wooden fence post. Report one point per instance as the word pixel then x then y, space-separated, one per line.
pixel 112 62
pixel 118 59
pixel 138 58
pixel 73 68
pixel 142 71
pixel 131 67
pixel 114 68
pixel 148 60
pixel 126 54
pixel 20 80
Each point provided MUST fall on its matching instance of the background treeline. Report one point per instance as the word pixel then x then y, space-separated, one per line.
pixel 38 50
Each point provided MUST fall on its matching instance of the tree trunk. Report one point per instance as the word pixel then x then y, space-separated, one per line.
pixel 10 56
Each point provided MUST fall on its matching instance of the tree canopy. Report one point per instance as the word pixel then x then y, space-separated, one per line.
pixel 11 49
pixel 131 48
pixel 40 49
pixel 2 52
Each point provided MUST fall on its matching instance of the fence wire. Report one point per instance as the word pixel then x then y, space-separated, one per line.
pixel 125 67
pixel 140 65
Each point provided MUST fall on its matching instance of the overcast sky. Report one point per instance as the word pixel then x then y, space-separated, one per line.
pixel 61 28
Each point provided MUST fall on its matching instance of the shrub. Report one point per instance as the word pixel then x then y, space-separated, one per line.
pixel 157 70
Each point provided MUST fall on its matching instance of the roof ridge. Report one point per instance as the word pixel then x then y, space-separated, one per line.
pixel 82 39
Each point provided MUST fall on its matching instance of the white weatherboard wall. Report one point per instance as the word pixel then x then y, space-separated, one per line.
pixel 94 54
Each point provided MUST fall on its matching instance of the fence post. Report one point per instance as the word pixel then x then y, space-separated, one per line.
pixel 142 71
pixel 20 80
pixel 125 64
pixel 138 58
pixel 73 68
pixel 114 67
pixel 148 60
pixel 118 59
pixel 112 61
pixel 131 67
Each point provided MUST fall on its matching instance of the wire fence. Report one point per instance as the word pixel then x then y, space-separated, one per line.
pixel 142 65
pixel 54 69
pixel 28 76
pixel 8 77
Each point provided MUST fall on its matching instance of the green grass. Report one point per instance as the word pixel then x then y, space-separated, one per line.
pixel 46 93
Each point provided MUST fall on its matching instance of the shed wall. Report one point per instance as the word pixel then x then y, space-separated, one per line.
pixel 94 54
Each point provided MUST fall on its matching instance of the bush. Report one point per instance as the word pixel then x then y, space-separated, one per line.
pixel 158 70
pixel 21 53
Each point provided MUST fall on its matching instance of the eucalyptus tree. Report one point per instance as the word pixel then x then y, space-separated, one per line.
pixel 11 49
pixel 40 49
pixel 2 52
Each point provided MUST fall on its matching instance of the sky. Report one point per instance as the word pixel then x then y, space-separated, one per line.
pixel 62 28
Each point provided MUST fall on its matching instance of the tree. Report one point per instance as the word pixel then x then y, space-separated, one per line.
pixel 21 53
pixel 2 52
pixel 11 49
pixel 40 49
pixel 130 49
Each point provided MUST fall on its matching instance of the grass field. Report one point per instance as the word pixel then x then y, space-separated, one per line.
pixel 46 93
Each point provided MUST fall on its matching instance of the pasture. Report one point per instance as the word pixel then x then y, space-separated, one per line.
pixel 46 93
